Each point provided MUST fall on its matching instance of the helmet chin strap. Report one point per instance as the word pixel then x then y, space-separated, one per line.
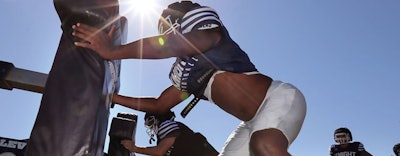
pixel 152 132
pixel 151 139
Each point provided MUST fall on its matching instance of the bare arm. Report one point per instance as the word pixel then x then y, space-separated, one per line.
pixel 158 150
pixel 169 98
pixel 156 47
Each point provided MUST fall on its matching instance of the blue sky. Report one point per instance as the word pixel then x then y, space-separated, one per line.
pixel 343 54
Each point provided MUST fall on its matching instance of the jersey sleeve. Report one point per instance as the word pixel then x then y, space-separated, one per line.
pixel 360 146
pixel 201 18
pixel 331 149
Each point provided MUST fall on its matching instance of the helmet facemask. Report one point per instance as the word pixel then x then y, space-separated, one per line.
pixel 168 25
pixel 169 21
pixel 151 123
pixel 342 138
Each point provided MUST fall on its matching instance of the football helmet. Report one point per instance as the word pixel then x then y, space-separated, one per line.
pixel 170 18
pixel 153 120
pixel 396 149
pixel 343 135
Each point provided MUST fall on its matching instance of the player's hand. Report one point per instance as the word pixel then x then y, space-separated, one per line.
pixel 129 144
pixel 96 39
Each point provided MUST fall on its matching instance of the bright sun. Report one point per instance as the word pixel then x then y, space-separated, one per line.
pixel 143 7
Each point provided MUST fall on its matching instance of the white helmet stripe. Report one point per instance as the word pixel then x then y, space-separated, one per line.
pixel 196 11
pixel 189 28
pixel 196 16
pixel 187 22
pixel 167 127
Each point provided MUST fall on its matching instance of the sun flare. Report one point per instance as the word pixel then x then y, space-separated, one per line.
pixel 143 7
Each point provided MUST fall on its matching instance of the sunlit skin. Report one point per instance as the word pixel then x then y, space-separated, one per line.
pixel 237 94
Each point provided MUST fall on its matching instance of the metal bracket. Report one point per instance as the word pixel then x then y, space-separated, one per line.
pixel 12 77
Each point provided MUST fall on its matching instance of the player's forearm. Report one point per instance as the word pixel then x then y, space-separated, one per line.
pixel 153 151
pixel 146 48
pixel 140 104
pixel 127 51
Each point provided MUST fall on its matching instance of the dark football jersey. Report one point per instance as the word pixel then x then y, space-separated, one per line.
pixel 353 149
pixel 186 143
pixel 188 73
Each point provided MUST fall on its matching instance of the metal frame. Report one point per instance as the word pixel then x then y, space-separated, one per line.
pixel 12 77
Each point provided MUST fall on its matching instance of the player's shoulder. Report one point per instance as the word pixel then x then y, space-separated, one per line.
pixel 357 143
pixel 333 146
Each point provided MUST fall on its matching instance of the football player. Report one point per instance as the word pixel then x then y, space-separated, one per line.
pixel 211 66
pixel 173 138
pixel 345 146
pixel 396 149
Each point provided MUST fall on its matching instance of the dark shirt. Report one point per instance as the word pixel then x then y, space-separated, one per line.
pixel 189 73
pixel 187 142
pixel 353 149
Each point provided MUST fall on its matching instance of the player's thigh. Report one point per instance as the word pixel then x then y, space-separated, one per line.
pixel 269 142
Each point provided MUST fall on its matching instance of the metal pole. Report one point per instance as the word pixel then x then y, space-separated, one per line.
pixel 12 77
